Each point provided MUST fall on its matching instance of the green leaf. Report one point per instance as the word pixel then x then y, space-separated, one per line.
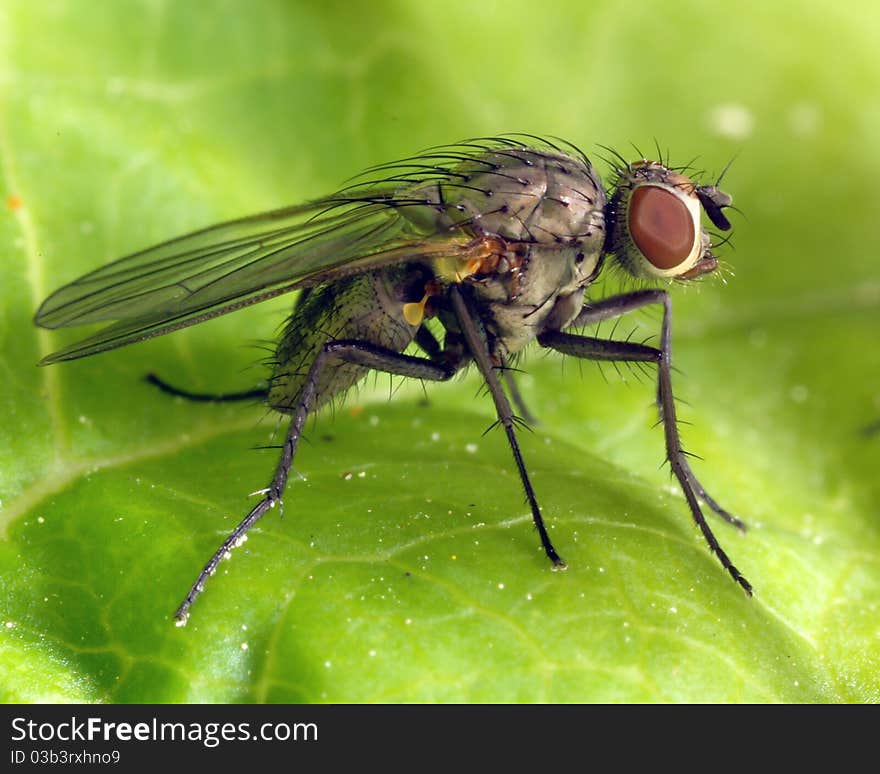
pixel 406 567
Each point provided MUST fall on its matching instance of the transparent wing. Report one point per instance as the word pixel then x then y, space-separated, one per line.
pixel 235 264
pixel 407 215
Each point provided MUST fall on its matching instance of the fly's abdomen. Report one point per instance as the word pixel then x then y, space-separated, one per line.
pixel 366 307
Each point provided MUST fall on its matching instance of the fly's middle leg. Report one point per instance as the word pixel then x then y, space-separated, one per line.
pixel 591 348
pixel 475 338
pixel 619 305
pixel 360 353
pixel 431 347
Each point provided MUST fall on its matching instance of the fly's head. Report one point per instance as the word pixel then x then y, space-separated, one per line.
pixel 654 227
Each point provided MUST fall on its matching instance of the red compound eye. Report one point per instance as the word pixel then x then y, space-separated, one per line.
pixel 661 226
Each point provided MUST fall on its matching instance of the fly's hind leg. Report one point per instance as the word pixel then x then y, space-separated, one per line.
pixel 517 398
pixel 357 352
pixel 258 393
pixel 602 349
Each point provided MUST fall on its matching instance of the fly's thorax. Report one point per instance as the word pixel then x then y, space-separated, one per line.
pixel 654 228
pixel 518 194
pixel 547 211
pixel 368 307
pixel 529 288
pixel 548 294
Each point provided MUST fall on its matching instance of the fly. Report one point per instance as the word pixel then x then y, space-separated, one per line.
pixel 496 240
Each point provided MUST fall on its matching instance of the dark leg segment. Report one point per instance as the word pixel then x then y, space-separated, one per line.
pixel 429 345
pixel 616 306
pixel 205 397
pixel 469 323
pixel 517 398
pixel 599 349
pixel 358 352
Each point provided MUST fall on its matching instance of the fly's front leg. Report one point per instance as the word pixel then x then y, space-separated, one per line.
pixel 472 331
pixel 357 352
pixel 600 349
pixel 611 308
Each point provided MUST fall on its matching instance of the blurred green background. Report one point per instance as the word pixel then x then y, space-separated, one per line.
pixel 406 567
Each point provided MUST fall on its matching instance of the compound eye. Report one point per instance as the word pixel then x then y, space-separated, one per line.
pixel 662 226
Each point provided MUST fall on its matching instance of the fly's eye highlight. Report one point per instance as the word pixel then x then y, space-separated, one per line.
pixel 661 226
